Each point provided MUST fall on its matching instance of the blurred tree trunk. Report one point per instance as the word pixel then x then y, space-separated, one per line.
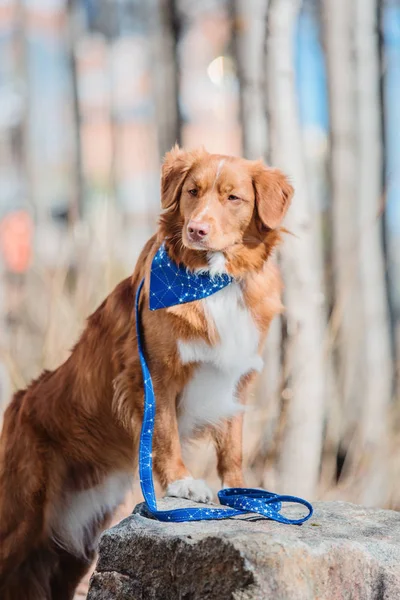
pixel 347 316
pixel 249 37
pixel 77 205
pixel 378 367
pixel 250 21
pixel 166 31
pixel 390 24
pixel 20 141
pixel 311 83
pixel 305 393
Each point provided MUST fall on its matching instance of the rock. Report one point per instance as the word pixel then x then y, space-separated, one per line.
pixel 344 552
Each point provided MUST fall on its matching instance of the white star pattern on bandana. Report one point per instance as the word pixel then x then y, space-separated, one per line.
pixel 172 284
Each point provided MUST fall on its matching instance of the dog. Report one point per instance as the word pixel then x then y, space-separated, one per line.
pixel 69 444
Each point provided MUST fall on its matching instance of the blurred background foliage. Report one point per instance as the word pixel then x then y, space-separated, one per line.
pixel 94 92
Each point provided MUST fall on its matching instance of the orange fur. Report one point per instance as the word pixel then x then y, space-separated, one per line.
pixel 73 427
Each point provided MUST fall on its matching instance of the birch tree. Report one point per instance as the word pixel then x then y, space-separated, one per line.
pixel 302 439
pixel 376 341
pixel 347 317
pixel 250 19
pixel 76 205
pixel 250 25
pixel 165 36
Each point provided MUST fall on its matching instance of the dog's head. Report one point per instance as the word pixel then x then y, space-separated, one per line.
pixel 214 203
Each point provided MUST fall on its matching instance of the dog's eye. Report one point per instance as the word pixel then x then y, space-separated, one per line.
pixel 193 192
pixel 232 197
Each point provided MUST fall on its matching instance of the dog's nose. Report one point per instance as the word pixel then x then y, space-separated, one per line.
pixel 197 231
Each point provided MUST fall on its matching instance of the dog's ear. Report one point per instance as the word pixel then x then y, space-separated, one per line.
pixel 177 164
pixel 273 194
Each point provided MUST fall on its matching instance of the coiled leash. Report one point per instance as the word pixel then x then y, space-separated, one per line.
pixel 172 284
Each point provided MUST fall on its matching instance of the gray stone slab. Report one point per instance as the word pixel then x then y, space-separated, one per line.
pixel 345 552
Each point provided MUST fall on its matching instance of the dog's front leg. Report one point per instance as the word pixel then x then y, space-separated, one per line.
pixel 168 464
pixel 228 444
pixel 228 440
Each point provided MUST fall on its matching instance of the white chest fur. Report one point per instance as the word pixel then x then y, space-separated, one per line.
pixel 73 522
pixel 211 393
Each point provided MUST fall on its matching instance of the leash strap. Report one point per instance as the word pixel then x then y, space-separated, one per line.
pixel 238 500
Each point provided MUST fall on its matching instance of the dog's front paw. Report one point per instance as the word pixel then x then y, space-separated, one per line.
pixel 192 489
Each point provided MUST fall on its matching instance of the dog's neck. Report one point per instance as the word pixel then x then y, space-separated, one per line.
pixel 239 260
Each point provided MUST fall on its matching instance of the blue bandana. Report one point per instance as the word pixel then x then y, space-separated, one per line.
pixel 171 284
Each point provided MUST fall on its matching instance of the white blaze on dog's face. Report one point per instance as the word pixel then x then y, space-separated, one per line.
pixel 220 197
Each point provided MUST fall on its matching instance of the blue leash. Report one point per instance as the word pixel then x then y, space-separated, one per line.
pixel 239 500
